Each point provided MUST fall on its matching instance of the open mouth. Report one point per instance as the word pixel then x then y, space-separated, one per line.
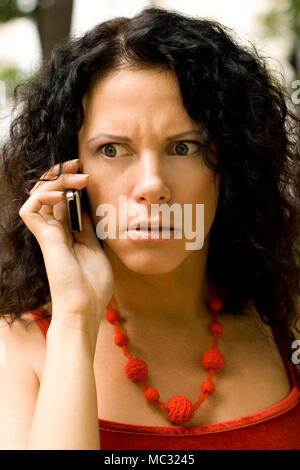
pixel 147 229
pixel 151 234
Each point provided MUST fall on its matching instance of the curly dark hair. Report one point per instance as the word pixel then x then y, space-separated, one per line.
pixel 242 110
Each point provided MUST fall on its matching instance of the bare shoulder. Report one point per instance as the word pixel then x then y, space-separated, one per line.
pixel 21 358
pixel 20 331
pixel 23 338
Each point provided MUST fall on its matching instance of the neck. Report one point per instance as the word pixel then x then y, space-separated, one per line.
pixel 177 297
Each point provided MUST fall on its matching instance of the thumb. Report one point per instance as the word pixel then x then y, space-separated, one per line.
pixel 88 235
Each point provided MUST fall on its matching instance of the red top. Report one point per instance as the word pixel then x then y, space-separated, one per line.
pixel 274 428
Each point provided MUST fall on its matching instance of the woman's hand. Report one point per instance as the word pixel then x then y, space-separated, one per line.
pixel 79 273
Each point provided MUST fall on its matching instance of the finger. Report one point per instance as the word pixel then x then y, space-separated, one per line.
pixel 65 181
pixel 54 171
pixel 88 235
pixel 60 211
pixel 71 166
pixel 30 211
pixel 47 211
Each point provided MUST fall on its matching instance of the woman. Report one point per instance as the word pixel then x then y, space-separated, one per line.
pixel 160 109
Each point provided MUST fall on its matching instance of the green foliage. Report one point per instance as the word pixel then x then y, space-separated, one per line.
pixel 295 14
pixel 11 77
pixel 10 9
pixel 283 20
pixel 272 21
pixel 284 14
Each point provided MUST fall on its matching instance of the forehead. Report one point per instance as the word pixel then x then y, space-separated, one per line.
pixel 134 85
pixel 128 96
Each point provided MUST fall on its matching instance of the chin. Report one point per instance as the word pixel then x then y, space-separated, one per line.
pixel 147 261
pixel 149 268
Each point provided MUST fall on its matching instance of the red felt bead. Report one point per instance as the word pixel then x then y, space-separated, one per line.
pixel 112 315
pixel 216 328
pixel 121 339
pixel 136 369
pixel 213 359
pixel 180 410
pixel 207 387
pixel 215 305
pixel 151 394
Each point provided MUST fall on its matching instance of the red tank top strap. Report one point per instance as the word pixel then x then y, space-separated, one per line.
pixel 42 321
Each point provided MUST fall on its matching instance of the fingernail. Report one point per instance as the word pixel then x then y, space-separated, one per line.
pixel 75 160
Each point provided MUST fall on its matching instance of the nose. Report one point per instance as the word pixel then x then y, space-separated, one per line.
pixel 150 184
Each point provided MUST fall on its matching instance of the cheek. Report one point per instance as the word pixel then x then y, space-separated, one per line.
pixel 203 190
pixel 101 191
pixel 209 214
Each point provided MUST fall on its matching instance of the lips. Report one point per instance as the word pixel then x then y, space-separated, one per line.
pixel 154 228
pixel 144 225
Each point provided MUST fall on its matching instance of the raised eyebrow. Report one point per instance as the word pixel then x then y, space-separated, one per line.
pixel 126 139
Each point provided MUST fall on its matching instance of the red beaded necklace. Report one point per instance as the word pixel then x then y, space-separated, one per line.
pixel 179 409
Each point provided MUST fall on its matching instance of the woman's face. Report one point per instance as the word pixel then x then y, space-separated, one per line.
pixel 148 163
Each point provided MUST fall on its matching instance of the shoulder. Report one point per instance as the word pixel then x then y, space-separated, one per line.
pixel 19 330
pixel 22 338
pixel 21 350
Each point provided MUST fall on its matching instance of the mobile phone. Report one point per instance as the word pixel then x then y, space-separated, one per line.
pixel 76 200
pixel 74 209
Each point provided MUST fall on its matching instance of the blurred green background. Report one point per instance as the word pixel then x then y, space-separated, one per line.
pixel 278 20
pixel 53 21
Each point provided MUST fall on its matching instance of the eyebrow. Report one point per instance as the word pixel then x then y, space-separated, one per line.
pixel 126 139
